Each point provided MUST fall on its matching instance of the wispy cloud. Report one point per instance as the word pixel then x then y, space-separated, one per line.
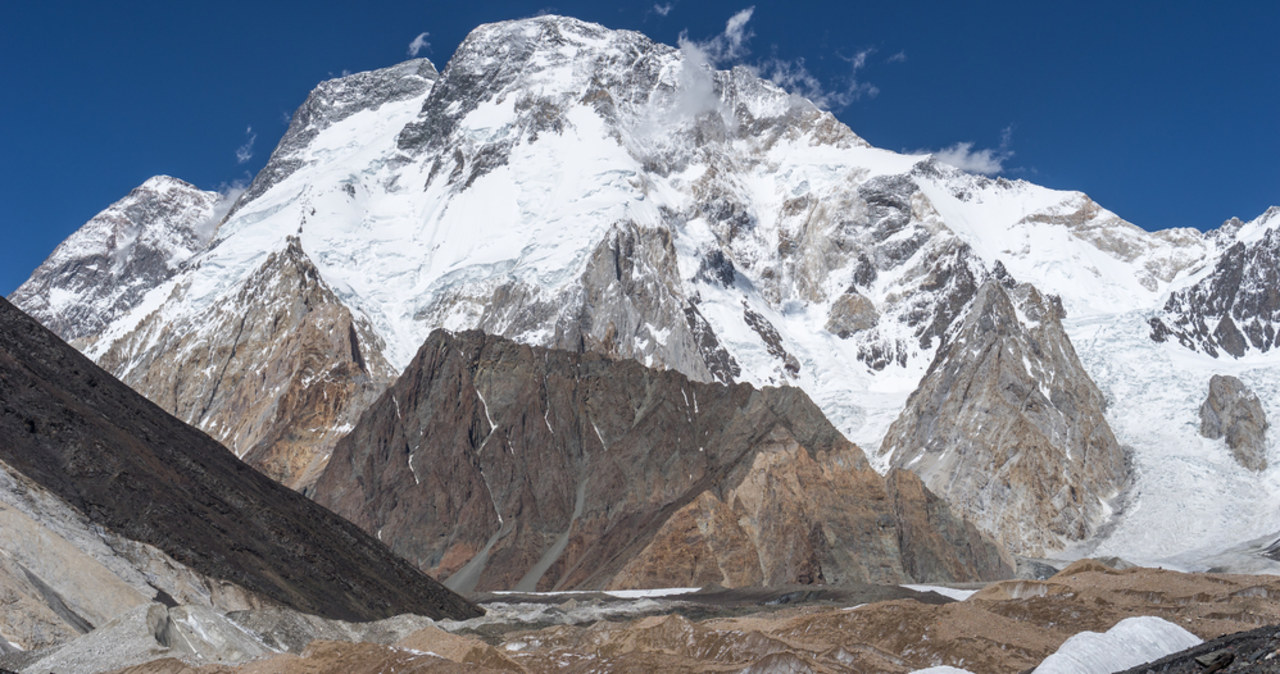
pixel 736 33
pixel 731 48
pixel 793 76
pixel 726 48
pixel 988 161
pixel 663 9
pixel 419 43
pixel 897 58
pixel 245 152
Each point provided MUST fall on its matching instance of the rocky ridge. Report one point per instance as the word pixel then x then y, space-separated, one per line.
pixel 504 466
pixel 277 373
pixel 1236 308
pixel 107 266
pixel 1012 626
pixel 1008 427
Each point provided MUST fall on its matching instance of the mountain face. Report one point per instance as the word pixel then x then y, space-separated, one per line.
pixel 279 370
pixel 106 267
pixel 564 185
pixel 141 506
pixel 504 466
pixel 1007 426
pixel 1236 308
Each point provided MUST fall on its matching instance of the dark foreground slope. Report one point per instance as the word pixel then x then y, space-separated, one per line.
pixel 1256 651
pixel 131 468
pixel 504 466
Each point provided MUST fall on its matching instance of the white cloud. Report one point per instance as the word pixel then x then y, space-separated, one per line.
pixel 245 152
pixel 663 9
pixel 897 58
pixel 419 43
pixel 987 161
pixel 963 156
pixel 696 92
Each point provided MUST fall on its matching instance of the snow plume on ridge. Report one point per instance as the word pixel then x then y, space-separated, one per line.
pixel 697 93
pixel 987 162
pixel 228 194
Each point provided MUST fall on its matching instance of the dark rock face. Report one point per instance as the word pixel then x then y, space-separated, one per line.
pixel 1233 310
pixel 1009 428
pixel 716 267
pixel 1234 411
pixel 1253 651
pixel 772 340
pixel 507 466
pixel 136 471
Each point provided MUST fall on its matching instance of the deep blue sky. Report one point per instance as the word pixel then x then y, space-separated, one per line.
pixel 1165 112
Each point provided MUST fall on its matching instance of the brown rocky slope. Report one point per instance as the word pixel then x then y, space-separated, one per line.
pixel 133 470
pixel 504 466
pixel 281 372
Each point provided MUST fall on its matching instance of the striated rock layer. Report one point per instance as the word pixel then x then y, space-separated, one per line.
pixel 1009 428
pixel 144 478
pixel 504 466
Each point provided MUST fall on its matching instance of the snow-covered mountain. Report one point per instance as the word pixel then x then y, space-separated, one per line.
pixel 102 270
pixel 567 185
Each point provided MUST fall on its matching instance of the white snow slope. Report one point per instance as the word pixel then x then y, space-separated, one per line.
pixel 1129 643
pixel 546 136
